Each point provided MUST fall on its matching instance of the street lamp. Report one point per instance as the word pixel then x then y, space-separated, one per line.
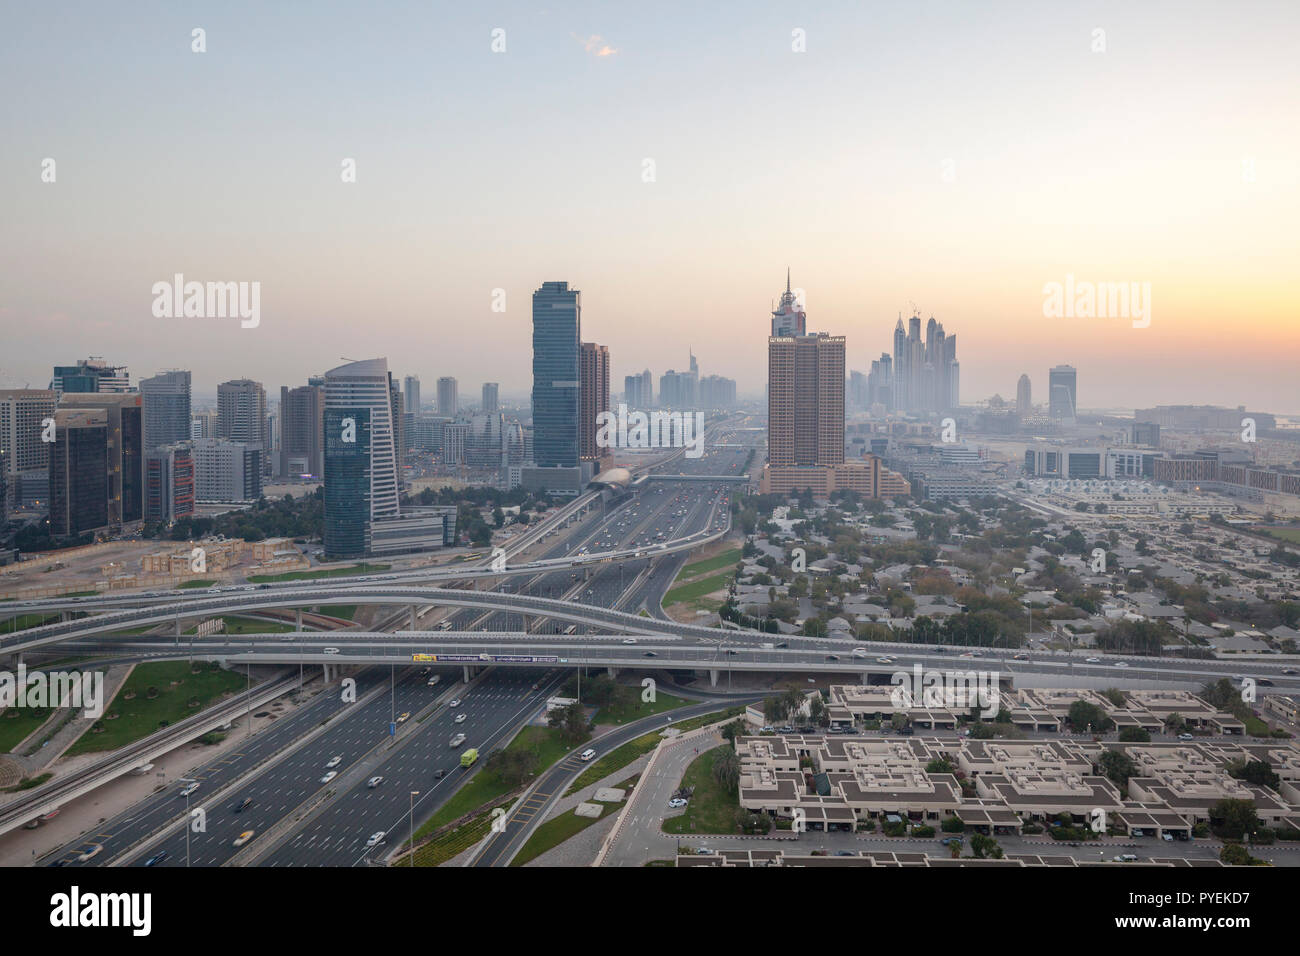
pixel 414 794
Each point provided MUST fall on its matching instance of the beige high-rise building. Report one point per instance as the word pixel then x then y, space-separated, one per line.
pixel 593 373
pixel 22 414
pixel 805 400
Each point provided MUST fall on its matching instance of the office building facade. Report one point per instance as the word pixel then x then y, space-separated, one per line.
pixel 124 419
pixel 491 397
pixel 1062 393
pixel 593 396
pixel 167 415
pixel 557 335
pixel 447 398
pixel 79 486
pixel 361 469
pixel 302 431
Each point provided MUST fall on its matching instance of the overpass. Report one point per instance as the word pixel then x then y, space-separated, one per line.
pixel 465 572
pixel 647 650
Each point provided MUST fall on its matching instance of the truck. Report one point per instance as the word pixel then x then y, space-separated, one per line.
pixel 468 758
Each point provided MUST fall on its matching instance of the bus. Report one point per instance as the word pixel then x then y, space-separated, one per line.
pixel 468 758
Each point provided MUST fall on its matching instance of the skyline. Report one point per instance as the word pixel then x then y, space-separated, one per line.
pixel 479 171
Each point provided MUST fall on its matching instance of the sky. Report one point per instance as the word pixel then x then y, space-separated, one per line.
pixel 671 161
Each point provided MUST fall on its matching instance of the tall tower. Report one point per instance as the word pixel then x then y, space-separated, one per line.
pixel 166 408
pixel 361 477
pixel 594 397
pixel 1062 393
pixel 1024 396
pixel 557 334
pixel 805 400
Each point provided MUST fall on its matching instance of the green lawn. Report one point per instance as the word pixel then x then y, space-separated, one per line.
pixel 345 611
pixel 251 625
pixel 311 575
pixel 195 584
pixel 24 621
pixel 484 785
pixel 626 713
pixel 724 560
pixel 616 759
pixel 141 716
pixel 697 589
pixel 712 809
pixel 1289 535
pixel 452 843
pixel 621 756
pixel 17 722
pixel 558 829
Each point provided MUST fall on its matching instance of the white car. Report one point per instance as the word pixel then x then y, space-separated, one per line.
pixel 586 755
pixel 434 680
pixel 92 850
pixel 629 640
pixel 329 776
pixel 374 782
pixel 1186 737
pixel 859 652
pixel 376 837
pixel 1120 664
pixel 460 718
pixel 1093 660
pixel 884 660
pixel 676 803
pixel 454 702
pixel 333 762
pixel 190 789
pixel 457 740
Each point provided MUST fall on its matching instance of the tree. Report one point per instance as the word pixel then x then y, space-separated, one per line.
pixel 1118 767
pixel 1234 819
pixel 1258 772
pixel 1137 735
pixel 983 847
pixel 726 769
pixel 1083 715
pixel 571 721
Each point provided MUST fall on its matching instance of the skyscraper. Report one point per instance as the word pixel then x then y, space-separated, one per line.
pixel 90 375
pixel 557 334
pixel 361 476
pixel 22 414
pixel 169 482
pixel 593 396
pixel 491 401
pixel 926 376
pixel 1062 393
pixel 166 408
pixel 79 486
pixel 124 455
pixel 638 390
pixel 447 403
pixel 302 424
pixel 1024 396
pixel 241 411
pixel 411 398
pixel 805 400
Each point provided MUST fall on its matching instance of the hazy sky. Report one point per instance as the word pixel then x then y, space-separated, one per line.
pixel 958 156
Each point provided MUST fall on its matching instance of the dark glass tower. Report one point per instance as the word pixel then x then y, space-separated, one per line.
pixel 557 335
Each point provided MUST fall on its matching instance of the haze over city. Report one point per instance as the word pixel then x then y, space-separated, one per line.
pixel 948 157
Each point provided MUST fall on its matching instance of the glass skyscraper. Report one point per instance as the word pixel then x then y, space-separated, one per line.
pixel 360 456
pixel 557 336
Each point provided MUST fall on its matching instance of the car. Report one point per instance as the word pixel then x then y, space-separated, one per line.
pixel 329 776
pixel 1020 657
pixel 884 660
pixel 244 837
pixel 460 718
pixel 457 740
pixel 156 858
pixel 676 803
pixel 650 654
pixel 1093 660
pixel 374 782
pixel 586 755
pixel 333 762
pixel 832 657
pixel 454 702
pixel 859 652
pixel 243 805
pixel 1120 664
pixel 845 853
pixel 434 679
pixel 1167 837
pixel 732 652
pixel 189 790
pixel 1290 670
pixel 404 717
pixel 629 640
pixel 1186 737
pixel 376 838
pixel 331 650
pixel 438 775
pixel 91 851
